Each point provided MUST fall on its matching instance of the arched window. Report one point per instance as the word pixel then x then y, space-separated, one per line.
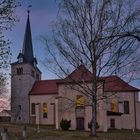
pixel 32 73
pixel 45 110
pixel 33 108
pixel 19 71
pixel 80 101
pixel 126 107
pixel 19 107
pixel 37 76
pixel 113 106
pixel 20 60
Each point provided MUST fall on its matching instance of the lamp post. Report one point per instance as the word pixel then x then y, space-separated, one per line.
pixel 37 116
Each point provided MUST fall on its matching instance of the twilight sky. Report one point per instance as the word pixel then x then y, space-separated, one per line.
pixel 42 13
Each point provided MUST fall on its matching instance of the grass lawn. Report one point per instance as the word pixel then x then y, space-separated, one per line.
pixel 49 133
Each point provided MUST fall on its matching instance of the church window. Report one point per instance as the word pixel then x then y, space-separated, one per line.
pixel 19 71
pixel 80 101
pixel 33 73
pixel 45 110
pixel 113 106
pixel 19 107
pixel 126 107
pixel 20 60
pixel 33 108
pixel 37 76
pixel 34 63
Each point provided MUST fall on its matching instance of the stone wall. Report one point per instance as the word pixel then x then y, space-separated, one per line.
pixel 20 88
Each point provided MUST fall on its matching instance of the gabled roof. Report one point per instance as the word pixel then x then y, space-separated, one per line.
pixel 44 87
pixel 79 74
pixel 111 83
pixel 114 83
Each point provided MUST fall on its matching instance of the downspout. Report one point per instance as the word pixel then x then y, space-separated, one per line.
pixel 29 106
pixel 135 121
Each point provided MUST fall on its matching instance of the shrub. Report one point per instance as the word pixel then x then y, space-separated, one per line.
pixel 65 124
pixel 90 124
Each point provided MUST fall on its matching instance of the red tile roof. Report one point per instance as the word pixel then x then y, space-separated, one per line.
pixel 6 111
pixel 79 74
pixel 44 87
pixel 111 83
pixel 114 83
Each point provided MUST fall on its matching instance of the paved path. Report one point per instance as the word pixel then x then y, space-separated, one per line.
pixel 50 138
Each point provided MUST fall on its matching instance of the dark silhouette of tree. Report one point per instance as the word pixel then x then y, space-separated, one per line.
pixel 102 35
pixel 8 19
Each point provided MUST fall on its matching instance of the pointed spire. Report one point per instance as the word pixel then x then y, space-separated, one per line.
pixel 27 50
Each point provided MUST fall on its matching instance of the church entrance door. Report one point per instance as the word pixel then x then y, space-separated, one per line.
pixel 80 123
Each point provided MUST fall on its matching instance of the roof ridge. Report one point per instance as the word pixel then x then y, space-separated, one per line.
pixel 48 80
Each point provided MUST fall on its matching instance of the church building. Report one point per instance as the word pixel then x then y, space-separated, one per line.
pixel 47 102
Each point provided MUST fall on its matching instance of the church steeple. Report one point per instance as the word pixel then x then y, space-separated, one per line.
pixel 27 50
pixel 24 74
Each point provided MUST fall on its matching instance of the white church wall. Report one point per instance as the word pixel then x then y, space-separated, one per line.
pixel 67 105
pixel 49 100
pixel 128 120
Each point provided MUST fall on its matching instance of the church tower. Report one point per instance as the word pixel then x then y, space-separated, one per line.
pixel 24 73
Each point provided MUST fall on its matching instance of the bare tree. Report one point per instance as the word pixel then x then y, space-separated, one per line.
pixel 103 35
pixel 7 21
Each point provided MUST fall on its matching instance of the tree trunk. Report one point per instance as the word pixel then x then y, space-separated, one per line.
pixel 94 90
pixel 93 130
